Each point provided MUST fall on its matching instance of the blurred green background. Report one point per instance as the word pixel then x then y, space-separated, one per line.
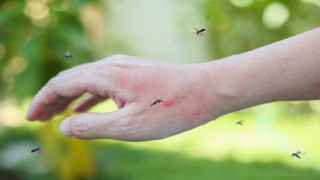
pixel 34 35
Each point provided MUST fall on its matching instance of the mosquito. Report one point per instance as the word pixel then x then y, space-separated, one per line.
pixel 200 32
pixel 156 102
pixel 68 55
pixel 36 150
pixel 239 122
pixel 297 154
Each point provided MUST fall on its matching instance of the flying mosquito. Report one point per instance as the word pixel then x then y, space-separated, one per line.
pixel 297 154
pixel 200 32
pixel 156 102
pixel 36 150
pixel 240 122
pixel 68 55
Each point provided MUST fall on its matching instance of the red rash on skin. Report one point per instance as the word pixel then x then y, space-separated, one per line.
pixel 168 103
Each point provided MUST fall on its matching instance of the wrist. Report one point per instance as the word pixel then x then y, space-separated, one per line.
pixel 229 85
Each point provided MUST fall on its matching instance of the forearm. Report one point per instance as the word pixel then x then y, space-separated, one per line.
pixel 286 70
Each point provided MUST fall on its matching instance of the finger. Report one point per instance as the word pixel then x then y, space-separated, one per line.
pixel 118 125
pixel 56 91
pixel 88 102
pixel 48 113
pixel 82 67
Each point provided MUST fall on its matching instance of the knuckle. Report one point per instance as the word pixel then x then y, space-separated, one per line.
pixel 63 72
pixel 118 59
pixel 117 56
pixel 133 128
pixel 52 82
pixel 81 128
pixel 129 127
pixel 137 134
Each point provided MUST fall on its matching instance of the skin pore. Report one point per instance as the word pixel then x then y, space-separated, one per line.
pixel 192 94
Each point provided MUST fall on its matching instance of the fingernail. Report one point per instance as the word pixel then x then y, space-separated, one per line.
pixel 65 127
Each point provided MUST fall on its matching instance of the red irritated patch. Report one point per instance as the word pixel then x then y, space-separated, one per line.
pixel 168 103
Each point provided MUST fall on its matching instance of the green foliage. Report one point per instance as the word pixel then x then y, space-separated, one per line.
pixel 35 36
pixel 236 29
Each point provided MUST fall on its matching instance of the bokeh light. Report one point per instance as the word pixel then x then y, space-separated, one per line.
pixel 275 15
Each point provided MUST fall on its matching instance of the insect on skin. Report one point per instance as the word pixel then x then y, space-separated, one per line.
pixel 156 102
pixel 297 154
pixel 36 150
pixel 239 122
pixel 68 55
pixel 200 32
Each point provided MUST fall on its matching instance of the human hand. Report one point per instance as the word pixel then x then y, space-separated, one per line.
pixel 135 85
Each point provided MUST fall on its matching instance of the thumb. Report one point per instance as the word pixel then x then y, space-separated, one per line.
pixel 117 125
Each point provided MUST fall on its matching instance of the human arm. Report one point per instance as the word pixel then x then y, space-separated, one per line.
pixel 192 94
pixel 282 71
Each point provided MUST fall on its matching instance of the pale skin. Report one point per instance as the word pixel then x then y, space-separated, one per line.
pixel 191 94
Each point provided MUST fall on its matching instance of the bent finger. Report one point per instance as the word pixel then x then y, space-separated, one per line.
pixel 58 89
